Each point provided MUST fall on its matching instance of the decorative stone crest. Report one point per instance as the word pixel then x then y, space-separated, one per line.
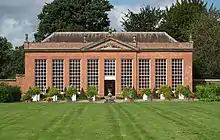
pixel 110 46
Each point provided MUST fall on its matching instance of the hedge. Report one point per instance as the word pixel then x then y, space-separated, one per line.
pixel 208 92
pixel 9 93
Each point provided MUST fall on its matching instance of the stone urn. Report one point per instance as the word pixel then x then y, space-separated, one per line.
pixel 109 98
pixel 109 93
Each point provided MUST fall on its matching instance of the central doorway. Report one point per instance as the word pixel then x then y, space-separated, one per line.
pixel 109 85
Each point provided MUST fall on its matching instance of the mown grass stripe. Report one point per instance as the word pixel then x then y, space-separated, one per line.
pixel 133 118
pixel 184 122
pixel 20 115
pixel 129 124
pixel 115 123
pixel 155 124
pixel 130 121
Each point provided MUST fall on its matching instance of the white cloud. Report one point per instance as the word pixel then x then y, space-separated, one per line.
pixel 117 14
pixel 18 17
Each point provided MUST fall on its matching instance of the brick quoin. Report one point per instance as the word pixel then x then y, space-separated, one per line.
pixel 128 50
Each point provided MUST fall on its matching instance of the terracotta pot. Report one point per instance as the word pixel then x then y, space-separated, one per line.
pixel 29 101
pixel 129 100
pixel 90 100
pixel 150 99
pixel 49 101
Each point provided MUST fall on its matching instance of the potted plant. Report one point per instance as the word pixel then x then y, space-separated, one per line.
pixel 28 97
pixel 182 92
pixel 49 99
pixel 147 94
pixel 91 93
pixel 53 92
pixel 192 96
pixel 71 93
pixel 165 92
pixel 36 93
pixel 128 93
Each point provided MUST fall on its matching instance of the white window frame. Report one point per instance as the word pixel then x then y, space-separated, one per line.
pixel 58 74
pixel 41 74
pixel 124 76
pixel 75 72
pixel 110 76
pixel 175 83
pixel 93 77
pixel 149 75
pixel 166 78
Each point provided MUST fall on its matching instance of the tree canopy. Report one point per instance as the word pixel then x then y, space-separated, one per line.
pixel 16 61
pixel 206 32
pixel 11 60
pixel 73 15
pixel 183 18
pixel 178 18
pixel 146 20
pixel 4 57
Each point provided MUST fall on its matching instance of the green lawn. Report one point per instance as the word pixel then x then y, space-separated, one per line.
pixel 132 121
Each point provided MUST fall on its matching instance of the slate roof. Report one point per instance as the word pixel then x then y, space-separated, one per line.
pixel 142 37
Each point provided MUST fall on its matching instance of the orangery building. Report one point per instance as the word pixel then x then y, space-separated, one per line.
pixel 108 60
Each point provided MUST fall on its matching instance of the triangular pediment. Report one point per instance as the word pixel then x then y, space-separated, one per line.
pixel 110 44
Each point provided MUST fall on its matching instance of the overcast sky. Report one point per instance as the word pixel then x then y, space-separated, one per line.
pixel 18 17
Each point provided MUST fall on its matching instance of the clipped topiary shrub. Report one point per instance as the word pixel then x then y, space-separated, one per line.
pixel 9 93
pixel 15 92
pixel 5 96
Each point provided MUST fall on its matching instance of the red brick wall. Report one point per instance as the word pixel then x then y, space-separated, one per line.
pixel 30 58
pixel 19 81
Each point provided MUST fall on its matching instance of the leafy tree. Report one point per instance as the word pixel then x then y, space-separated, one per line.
pixel 205 33
pixel 16 61
pixel 180 16
pixel 5 49
pixel 73 15
pixel 146 20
